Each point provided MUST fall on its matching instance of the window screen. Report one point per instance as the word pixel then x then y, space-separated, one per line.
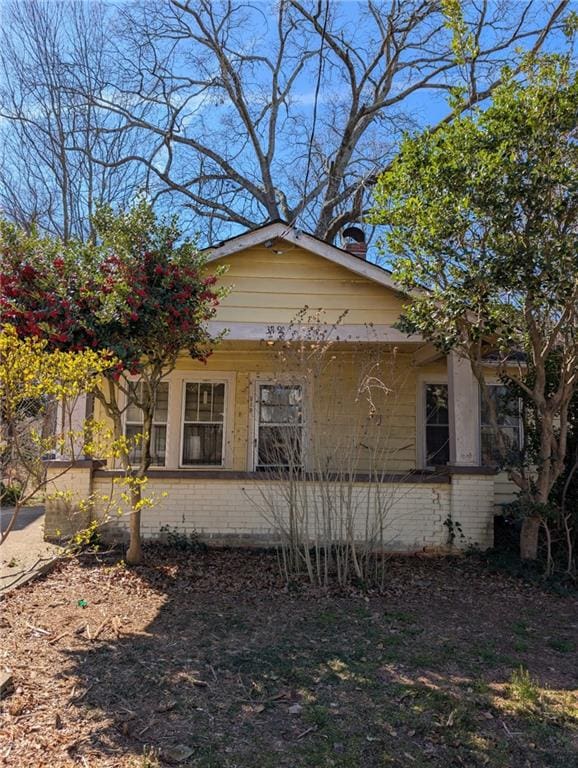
pixel 437 430
pixel 203 423
pixel 280 426
pixel 134 426
pixel 509 421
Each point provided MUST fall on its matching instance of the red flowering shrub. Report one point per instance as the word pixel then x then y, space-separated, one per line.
pixel 139 293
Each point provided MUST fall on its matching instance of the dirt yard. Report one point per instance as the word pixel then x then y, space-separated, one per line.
pixel 205 660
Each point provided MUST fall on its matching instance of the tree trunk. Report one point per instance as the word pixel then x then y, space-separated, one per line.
pixel 134 552
pixel 529 538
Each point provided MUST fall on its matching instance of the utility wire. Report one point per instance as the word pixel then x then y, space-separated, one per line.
pixel 315 109
pixel 316 97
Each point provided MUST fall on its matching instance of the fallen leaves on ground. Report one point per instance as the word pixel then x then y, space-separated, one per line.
pixel 206 659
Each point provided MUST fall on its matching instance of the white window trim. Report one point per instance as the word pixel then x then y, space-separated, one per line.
pixel 422 382
pixel 286 380
pixel 227 410
pixel 175 424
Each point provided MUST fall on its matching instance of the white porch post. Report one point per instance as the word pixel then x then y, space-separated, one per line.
pixel 70 417
pixel 464 413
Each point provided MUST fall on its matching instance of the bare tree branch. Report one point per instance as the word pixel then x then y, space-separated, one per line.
pixel 209 104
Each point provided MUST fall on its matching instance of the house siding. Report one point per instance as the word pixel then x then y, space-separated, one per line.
pixel 505 491
pixel 337 412
pixel 272 288
pixel 337 422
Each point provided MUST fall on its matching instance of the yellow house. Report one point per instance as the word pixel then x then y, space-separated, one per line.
pixel 314 407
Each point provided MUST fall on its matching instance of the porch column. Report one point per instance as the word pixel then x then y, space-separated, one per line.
pixel 70 417
pixel 464 413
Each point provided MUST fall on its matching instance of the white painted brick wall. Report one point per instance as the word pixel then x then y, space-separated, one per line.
pixel 62 517
pixel 472 506
pixel 413 515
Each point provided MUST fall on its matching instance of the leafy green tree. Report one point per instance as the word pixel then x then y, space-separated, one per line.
pixel 139 293
pixel 483 214
pixel 560 516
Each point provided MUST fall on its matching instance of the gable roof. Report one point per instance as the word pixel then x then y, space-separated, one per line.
pixel 268 233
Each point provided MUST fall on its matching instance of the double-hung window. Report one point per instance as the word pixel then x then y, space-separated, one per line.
pixel 279 438
pixel 437 430
pixel 509 422
pixel 134 426
pixel 203 420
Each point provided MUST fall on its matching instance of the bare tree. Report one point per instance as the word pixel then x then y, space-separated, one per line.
pixel 239 111
pixel 331 497
pixel 60 152
pixel 260 111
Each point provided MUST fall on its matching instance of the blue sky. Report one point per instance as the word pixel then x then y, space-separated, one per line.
pixel 206 119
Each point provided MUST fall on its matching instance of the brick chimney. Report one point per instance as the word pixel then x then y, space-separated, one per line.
pixel 353 239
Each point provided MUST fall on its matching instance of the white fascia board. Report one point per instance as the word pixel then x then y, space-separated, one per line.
pixel 291 332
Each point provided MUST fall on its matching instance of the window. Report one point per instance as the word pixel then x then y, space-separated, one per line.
pixel 279 440
pixel 204 415
pixel 509 421
pixel 437 430
pixel 134 426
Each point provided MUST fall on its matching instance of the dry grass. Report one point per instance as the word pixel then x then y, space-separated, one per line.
pixel 209 652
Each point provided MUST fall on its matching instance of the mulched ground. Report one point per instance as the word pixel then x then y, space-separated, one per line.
pixel 206 660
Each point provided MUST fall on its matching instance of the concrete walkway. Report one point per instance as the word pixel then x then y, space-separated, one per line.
pixel 25 545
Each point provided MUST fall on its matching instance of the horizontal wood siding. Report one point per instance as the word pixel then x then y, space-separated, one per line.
pixel 272 288
pixel 338 410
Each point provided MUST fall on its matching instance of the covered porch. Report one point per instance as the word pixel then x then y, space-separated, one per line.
pixel 319 426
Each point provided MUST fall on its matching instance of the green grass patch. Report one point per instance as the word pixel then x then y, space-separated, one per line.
pixel 523 689
pixel 562 645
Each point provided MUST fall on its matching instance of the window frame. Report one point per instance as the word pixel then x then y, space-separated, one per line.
pixel 165 424
pixel 433 379
pixel 192 379
pixel 494 382
pixel 175 423
pixel 421 440
pixel 285 381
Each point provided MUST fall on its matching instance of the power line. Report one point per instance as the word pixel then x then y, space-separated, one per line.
pixel 316 97
pixel 291 224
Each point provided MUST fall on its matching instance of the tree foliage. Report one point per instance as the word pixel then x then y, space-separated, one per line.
pixel 140 293
pixel 33 378
pixel 483 226
pixel 560 515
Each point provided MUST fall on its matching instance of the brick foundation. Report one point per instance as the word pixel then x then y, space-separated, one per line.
pixel 68 483
pixel 239 512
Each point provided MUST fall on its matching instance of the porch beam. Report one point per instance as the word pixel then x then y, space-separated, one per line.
pixel 464 418
pixel 275 331
pixel 426 354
